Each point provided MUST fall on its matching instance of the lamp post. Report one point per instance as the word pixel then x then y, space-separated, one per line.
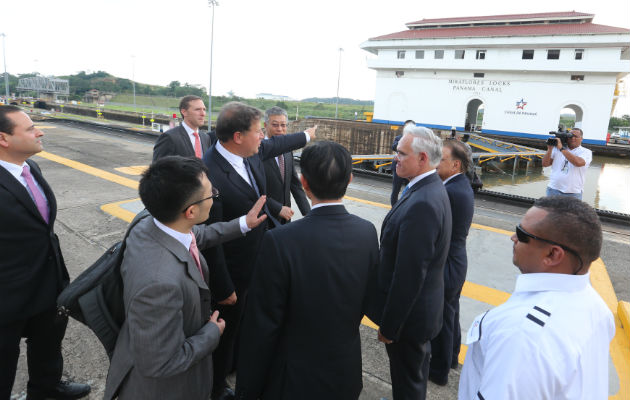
pixel 211 4
pixel 6 76
pixel 133 81
pixel 338 79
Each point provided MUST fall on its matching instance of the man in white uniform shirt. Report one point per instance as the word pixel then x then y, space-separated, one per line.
pixel 551 339
pixel 568 166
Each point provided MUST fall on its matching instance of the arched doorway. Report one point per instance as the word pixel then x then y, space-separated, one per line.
pixel 570 116
pixel 474 115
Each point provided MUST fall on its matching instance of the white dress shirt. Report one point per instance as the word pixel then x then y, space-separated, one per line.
pixel 550 340
pixel 16 171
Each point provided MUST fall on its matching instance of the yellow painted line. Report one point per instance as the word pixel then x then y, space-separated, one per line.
pixel 623 310
pixel 45 127
pixel 130 183
pixel 491 229
pixel 372 203
pixel 132 170
pixel 484 294
pixel 117 211
pixel 488 149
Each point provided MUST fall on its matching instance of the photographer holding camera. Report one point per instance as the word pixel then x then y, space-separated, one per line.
pixel 569 162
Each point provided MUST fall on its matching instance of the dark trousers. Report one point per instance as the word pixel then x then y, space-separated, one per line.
pixel 44 333
pixel 409 368
pixel 445 346
pixel 397 183
pixel 225 355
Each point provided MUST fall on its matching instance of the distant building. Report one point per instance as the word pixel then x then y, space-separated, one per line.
pixel 269 96
pixel 96 96
pixel 520 70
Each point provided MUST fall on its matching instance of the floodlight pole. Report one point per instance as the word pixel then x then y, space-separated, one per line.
pixel 133 81
pixel 338 79
pixel 211 4
pixel 6 76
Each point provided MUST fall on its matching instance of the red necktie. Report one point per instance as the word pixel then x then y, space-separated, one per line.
pixel 194 252
pixel 281 166
pixel 40 202
pixel 197 145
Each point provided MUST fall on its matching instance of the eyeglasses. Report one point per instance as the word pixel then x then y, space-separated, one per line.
pixel 215 195
pixel 523 236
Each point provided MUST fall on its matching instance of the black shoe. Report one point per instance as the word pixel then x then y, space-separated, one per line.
pixel 226 394
pixel 64 390
pixel 439 380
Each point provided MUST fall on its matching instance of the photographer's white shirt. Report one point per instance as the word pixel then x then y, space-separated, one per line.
pixel 565 176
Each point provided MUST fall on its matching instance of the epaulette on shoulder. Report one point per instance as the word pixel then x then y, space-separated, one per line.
pixel 538 315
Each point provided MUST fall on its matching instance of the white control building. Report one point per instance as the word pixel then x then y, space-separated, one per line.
pixel 521 70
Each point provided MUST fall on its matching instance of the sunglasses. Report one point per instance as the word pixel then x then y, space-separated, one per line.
pixel 215 195
pixel 523 236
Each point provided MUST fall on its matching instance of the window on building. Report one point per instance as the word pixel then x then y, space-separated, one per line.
pixel 528 54
pixel 579 54
pixel 481 55
pixel 438 54
pixel 577 77
pixel 400 74
pixel 553 54
pixel 419 54
pixel 401 54
pixel 479 74
pixel 459 54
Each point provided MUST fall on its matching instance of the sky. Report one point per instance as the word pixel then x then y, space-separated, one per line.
pixel 284 47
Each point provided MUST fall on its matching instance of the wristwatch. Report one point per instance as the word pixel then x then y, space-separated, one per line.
pixel 563 148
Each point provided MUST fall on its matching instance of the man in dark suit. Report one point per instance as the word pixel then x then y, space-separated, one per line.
pixel 409 292
pixel 165 345
pixel 282 178
pixel 235 168
pixel 32 269
pixel 452 170
pixel 186 140
pixel 300 336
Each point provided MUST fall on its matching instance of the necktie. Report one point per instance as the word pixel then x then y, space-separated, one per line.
pixel 404 191
pixel 40 202
pixel 251 177
pixel 194 252
pixel 281 166
pixel 197 145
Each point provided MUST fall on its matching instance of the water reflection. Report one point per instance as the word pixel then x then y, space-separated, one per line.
pixel 607 184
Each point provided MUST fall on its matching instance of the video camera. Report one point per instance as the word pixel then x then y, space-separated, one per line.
pixel 561 134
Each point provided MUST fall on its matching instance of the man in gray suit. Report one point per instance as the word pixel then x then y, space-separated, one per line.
pixel 165 345
pixel 186 140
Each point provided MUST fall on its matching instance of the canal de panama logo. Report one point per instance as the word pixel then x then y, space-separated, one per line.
pixel 520 105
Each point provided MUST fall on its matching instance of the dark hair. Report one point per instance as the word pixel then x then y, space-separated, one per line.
pixel 572 223
pixel 6 125
pixel 184 103
pixel 579 130
pixel 409 121
pixel 459 152
pixel 235 117
pixel 326 166
pixel 169 184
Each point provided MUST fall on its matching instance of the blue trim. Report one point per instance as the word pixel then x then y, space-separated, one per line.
pixel 535 136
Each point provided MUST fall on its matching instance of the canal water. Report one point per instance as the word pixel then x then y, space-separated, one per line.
pixel 607 184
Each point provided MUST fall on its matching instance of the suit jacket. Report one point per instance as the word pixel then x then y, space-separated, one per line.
pixel 165 345
pixel 32 269
pixel 415 236
pixel 176 142
pixel 300 334
pixel 279 191
pixel 462 201
pixel 236 198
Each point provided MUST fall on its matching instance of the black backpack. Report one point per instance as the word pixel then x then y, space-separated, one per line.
pixel 95 297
